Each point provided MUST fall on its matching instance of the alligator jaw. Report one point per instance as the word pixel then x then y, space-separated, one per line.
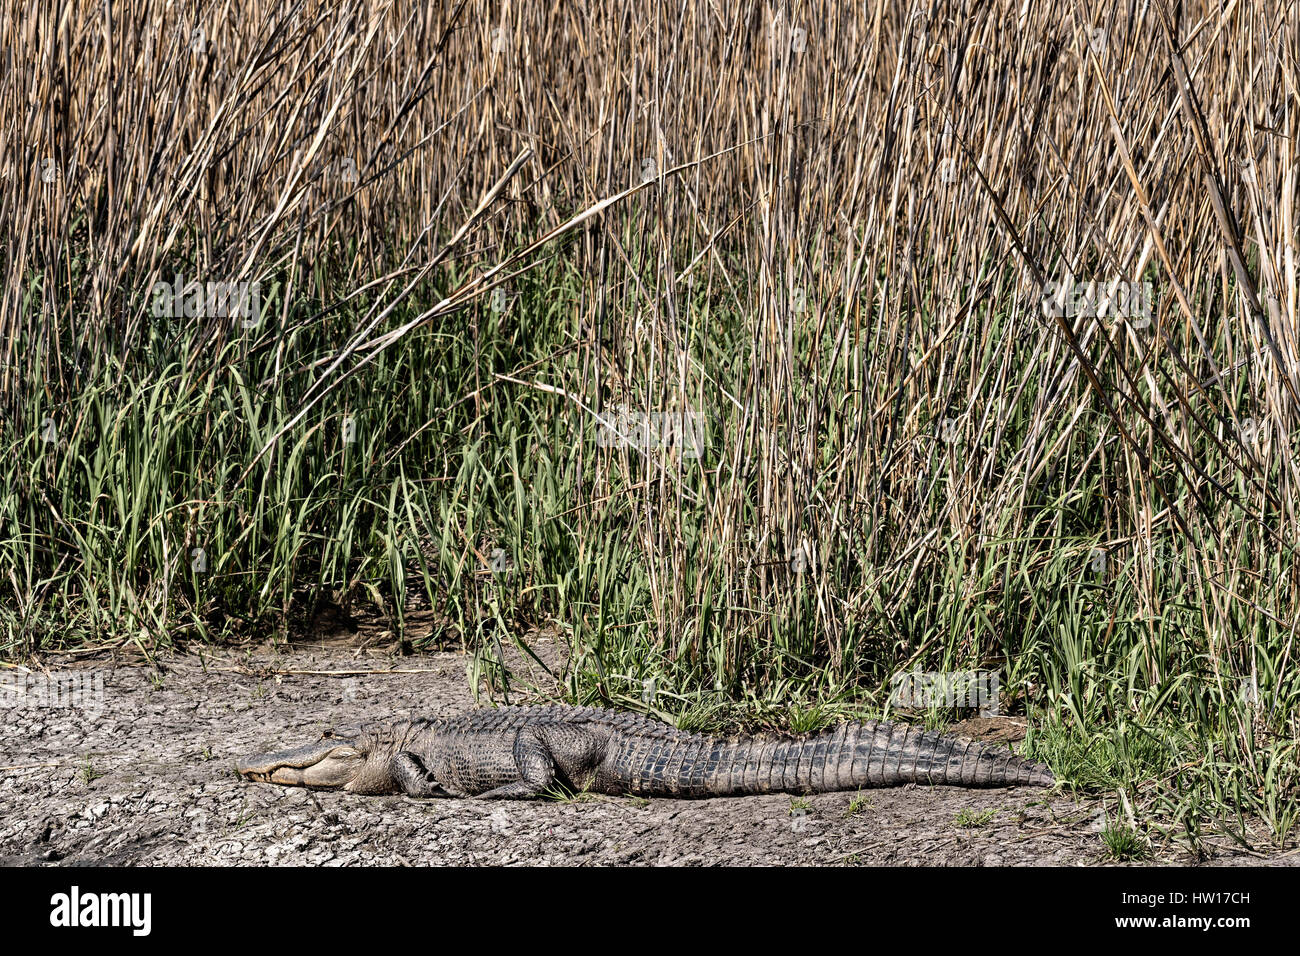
pixel 330 764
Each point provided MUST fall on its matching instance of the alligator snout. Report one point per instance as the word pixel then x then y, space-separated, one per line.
pixel 330 763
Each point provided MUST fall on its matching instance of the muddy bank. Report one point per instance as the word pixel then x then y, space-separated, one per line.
pixel 140 771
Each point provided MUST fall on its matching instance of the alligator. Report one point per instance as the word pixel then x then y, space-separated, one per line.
pixel 523 752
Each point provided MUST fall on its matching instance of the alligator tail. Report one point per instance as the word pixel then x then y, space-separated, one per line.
pixel 851 756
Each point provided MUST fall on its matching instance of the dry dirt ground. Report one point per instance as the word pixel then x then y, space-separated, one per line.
pixel 145 775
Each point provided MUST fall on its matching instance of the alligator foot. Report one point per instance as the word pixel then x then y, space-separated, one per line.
pixel 414 780
pixel 519 790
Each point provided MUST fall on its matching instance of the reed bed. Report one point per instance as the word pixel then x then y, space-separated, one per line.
pixel 766 353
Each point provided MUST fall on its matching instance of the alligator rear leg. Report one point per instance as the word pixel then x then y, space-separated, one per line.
pixel 536 766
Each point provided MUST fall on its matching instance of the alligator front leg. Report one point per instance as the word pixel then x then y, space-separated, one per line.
pixel 411 776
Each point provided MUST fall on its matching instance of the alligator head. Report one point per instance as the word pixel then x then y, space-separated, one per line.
pixel 352 762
